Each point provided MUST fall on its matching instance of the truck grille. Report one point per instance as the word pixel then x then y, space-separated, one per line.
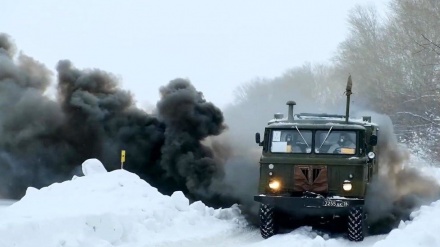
pixel 311 178
pixel 314 175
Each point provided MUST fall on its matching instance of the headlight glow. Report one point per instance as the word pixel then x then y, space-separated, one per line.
pixel 371 155
pixel 347 185
pixel 274 184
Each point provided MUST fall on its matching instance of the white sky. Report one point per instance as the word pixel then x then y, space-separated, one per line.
pixel 218 45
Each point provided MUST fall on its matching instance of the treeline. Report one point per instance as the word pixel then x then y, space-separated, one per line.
pixel 394 61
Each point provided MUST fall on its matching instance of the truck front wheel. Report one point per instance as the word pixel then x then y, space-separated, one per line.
pixel 356 224
pixel 267 221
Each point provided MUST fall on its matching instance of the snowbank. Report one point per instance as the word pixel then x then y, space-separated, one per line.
pixel 107 209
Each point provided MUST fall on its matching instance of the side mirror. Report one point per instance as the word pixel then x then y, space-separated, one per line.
pixel 257 138
pixel 373 140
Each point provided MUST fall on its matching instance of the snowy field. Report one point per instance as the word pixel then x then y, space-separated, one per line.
pixel 103 209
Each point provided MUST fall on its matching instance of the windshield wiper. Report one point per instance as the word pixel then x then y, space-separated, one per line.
pixel 325 139
pixel 302 136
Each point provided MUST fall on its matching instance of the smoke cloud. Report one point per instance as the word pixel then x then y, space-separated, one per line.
pixel 45 140
pixel 188 119
pixel 400 187
pixel 183 145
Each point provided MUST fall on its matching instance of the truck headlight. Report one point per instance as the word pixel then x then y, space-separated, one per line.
pixel 347 185
pixel 274 184
pixel 371 155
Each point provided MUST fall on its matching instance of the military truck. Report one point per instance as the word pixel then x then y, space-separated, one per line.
pixel 316 166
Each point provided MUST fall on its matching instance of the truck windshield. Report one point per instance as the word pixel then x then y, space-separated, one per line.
pixel 291 141
pixel 335 141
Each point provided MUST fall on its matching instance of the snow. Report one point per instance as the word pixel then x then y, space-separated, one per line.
pixel 109 209
pixel 342 198
pixel 117 208
pixel 93 166
pixel 421 231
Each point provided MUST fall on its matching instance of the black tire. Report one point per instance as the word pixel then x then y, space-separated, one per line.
pixel 267 221
pixel 356 224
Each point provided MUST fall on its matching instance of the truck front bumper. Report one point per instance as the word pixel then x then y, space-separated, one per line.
pixel 310 205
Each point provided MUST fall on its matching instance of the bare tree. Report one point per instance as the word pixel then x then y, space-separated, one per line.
pixel 398 62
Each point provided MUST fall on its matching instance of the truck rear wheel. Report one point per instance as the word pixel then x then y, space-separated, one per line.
pixel 356 224
pixel 267 221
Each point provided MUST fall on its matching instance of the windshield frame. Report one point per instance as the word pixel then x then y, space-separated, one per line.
pixel 314 143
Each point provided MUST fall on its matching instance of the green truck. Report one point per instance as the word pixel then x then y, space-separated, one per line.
pixel 316 166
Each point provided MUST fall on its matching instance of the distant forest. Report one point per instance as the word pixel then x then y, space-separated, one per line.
pixel 394 60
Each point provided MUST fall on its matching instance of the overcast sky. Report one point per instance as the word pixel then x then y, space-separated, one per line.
pixel 218 45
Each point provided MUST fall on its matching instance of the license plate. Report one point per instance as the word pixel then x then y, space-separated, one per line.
pixel 335 203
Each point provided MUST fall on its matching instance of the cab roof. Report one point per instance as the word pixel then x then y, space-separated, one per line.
pixel 314 121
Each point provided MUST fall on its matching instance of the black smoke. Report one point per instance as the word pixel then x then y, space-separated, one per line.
pixel 45 140
pixel 188 119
